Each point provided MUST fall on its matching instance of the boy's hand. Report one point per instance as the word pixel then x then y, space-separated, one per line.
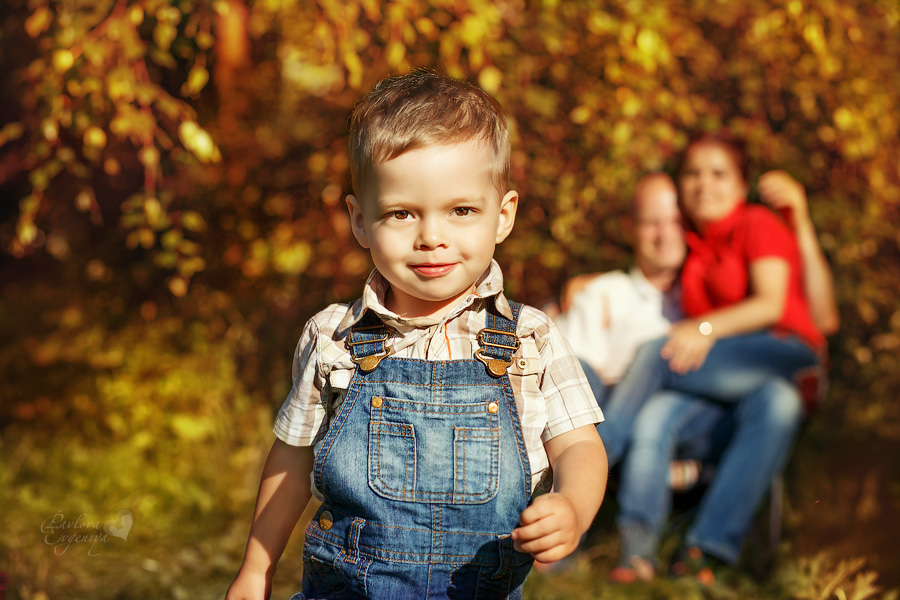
pixel 548 529
pixel 249 586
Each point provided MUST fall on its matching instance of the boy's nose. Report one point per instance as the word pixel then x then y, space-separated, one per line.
pixel 431 234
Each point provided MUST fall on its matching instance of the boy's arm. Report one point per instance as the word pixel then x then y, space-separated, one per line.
pixel 551 528
pixel 283 495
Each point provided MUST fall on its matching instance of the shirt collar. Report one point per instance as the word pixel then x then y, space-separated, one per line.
pixel 489 284
pixel 642 284
pixel 718 230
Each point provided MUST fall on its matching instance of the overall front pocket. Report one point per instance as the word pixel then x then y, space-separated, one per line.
pixel 434 452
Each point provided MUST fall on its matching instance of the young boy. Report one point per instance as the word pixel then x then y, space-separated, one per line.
pixel 425 414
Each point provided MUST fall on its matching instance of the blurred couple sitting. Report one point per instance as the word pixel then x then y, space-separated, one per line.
pixel 711 346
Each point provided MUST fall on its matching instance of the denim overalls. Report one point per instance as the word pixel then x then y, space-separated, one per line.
pixel 424 473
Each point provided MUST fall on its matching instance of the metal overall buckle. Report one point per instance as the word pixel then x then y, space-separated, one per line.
pixel 368 363
pixel 496 366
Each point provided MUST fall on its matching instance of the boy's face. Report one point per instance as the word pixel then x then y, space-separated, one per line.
pixel 431 218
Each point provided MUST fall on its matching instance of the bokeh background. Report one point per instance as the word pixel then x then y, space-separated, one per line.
pixel 172 175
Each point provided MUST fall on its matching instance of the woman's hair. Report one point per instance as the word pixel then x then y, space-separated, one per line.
pixel 726 140
pixel 424 108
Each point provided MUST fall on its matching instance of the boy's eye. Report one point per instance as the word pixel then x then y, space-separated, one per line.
pixel 400 214
pixel 462 211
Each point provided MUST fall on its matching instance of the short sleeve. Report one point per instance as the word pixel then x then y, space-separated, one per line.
pixel 302 420
pixel 766 235
pixel 569 400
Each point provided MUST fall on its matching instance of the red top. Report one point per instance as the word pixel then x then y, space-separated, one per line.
pixel 716 271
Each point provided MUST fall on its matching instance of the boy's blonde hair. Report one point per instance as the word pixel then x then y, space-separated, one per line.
pixel 424 108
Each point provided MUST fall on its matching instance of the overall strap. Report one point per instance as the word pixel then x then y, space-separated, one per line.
pixel 498 340
pixel 367 342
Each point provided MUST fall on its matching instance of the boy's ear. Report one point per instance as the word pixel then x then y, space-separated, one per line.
pixel 508 206
pixel 357 223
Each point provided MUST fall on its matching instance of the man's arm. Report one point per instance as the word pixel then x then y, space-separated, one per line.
pixel 585 320
pixel 551 528
pixel 283 494
pixel 784 193
pixel 572 287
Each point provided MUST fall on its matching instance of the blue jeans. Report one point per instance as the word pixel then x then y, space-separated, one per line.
pixel 735 367
pixel 600 389
pixel 764 422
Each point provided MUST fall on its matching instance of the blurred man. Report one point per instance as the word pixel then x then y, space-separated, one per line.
pixel 607 317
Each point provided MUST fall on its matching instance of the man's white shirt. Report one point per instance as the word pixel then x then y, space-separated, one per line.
pixel 614 314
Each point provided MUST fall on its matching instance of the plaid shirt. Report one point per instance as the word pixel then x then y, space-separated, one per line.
pixel 551 392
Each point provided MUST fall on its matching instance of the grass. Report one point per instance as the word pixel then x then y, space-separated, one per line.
pixel 154 418
pixel 191 522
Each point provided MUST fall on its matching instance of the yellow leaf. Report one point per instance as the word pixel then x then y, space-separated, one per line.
pixel 354 69
pixel 621 133
pixel 189 266
pixel 192 221
pixel 149 156
pixel 204 40
pixel 164 34
pixel 178 286
pixel 10 132
pixel 146 238
pixel 50 130
pixel 293 258
pixel 843 118
pixel 84 200
pixel 648 42
pixel 815 37
pixel 26 232
pixel 95 137
pixel 425 26
pixel 63 60
pixel 490 79
pixel 192 428
pixel 395 53
pixel 152 210
pixel 196 81
pixel 136 15
pixel 111 167
pixel 199 142
pixel 38 22
pixel 580 115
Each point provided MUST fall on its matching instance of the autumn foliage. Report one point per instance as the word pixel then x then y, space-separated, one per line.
pixel 173 175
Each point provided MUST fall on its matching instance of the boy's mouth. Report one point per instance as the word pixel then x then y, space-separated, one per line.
pixel 433 270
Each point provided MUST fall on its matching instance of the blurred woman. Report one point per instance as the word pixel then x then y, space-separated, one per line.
pixel 747 318
pixel 747 331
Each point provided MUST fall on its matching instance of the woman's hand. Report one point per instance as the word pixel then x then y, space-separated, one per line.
pixel 687 348
pixel 784 193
